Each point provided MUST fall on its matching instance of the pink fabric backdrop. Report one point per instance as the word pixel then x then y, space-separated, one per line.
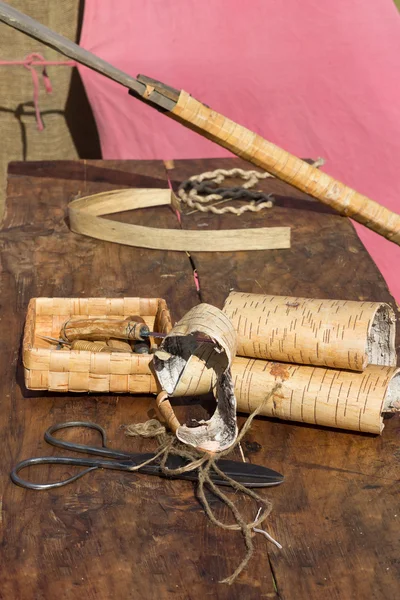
pixel 318 78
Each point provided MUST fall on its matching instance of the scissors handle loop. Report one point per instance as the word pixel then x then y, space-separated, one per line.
pixel 48 460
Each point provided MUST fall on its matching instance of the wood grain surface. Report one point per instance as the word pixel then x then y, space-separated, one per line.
pixel 117 535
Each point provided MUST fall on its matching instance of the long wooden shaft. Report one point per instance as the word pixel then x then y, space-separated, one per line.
pixel 193 114
pixel 285 166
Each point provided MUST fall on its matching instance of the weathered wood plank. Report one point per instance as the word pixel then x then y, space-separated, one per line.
pixel 133 536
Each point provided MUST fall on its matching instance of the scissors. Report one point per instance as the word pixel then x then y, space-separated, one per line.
pixel 249 475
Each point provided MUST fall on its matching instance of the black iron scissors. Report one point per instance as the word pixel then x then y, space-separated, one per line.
pixel 249 475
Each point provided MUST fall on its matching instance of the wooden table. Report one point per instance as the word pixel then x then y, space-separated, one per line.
pixel 118 535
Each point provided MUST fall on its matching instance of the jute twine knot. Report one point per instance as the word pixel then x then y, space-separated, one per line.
pixel 150 429
pixel 205 463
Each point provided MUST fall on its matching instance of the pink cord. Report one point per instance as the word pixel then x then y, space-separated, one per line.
pixel 30 63
pixel 178 216
pixel 177 213
pixel 196 280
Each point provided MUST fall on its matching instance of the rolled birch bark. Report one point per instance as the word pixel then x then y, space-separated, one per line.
pixel 252 147
pixel 327 397
pixel 330 333
pixel 179 351
pixel 319 396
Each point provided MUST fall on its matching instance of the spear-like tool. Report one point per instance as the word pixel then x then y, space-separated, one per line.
pixel 182 107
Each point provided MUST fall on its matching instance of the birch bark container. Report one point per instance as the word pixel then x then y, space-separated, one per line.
pixel 47 368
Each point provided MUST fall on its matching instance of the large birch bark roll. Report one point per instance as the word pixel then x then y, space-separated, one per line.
pixel 181 352
pixel 316 395
pixel 330 333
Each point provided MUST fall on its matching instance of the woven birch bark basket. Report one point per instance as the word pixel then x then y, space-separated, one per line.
pixel 47 368
pixel 330 333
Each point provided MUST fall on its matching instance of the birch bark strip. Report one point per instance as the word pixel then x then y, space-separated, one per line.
pixel 86 218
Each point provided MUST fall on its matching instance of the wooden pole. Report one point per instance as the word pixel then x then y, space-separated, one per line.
pixel 285 166
pixel 14 18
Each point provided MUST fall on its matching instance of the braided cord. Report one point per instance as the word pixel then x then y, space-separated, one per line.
pixel 188 191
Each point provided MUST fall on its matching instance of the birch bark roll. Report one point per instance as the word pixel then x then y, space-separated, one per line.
pixel 331 333
pixel 181 352
pixel 316 395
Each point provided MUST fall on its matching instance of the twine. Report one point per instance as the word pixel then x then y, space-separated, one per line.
pixel 30 62
pixel 201 202
pixel 205 462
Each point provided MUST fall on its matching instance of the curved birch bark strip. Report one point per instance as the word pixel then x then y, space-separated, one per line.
pixel 330 333
pixel 174 360
pixel 285 166
pixel 85 216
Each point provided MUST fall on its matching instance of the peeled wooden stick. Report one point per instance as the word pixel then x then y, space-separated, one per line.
pixel 330 333
pixel 130 328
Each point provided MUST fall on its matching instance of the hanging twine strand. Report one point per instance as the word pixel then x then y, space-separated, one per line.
pixel 267 535
pixel 37 60
pixel 197 191
pixel 205 463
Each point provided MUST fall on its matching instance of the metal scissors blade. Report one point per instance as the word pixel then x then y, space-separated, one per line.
pixel 247 474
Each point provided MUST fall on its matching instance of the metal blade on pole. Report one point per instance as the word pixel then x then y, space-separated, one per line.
pixel 14 18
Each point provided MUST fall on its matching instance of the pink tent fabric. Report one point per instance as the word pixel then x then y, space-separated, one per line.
pixel 317 78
